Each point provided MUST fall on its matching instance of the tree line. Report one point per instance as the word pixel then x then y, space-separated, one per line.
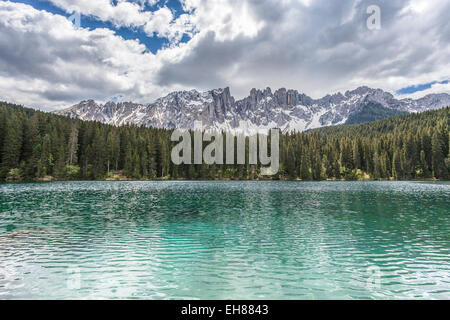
pixel 36 145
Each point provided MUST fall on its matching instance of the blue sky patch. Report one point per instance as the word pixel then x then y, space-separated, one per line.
pixel 420 87
pixel 152 43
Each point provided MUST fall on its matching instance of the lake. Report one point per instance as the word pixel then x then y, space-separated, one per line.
pixel 225 240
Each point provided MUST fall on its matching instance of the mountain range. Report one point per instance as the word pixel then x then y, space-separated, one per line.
pixel 288 110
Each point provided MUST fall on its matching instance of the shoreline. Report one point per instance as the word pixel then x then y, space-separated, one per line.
pixel 225 180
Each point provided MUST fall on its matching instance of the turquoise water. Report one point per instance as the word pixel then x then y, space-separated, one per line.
pixel 225 240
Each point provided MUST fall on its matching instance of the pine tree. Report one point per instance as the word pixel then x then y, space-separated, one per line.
pixel 357 153
pixel 98 156
pixel 12 145
pixel 34 144
pixel 305 168
pixel 60 163
pixel 346 154
pixel 31 147
pixel 72 157
pixel 47 160
pixel 397 171
pixel 2 130
pixel 423 166
pixel 439 167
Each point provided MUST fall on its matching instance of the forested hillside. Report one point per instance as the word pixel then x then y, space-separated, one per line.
pixel 372 112
pixel 41 146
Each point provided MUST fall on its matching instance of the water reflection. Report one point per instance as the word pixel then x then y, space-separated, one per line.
pixel 224 240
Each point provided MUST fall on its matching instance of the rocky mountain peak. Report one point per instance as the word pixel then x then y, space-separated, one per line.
pixel 262 109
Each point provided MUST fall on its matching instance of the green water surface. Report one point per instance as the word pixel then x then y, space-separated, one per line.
pixel 225 240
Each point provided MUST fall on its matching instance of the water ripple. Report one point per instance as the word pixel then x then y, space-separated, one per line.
pixel 225 240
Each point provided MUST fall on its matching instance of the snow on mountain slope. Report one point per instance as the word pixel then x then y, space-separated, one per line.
pixel 288 110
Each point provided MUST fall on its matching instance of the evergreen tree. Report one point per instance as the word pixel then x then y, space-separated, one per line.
pixel 305 168
pixel 397 170
pixel 35 144
pixel 440 170
pixel 12 145
pixel 72 157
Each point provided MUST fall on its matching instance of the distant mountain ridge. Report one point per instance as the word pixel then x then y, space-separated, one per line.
pixel 288 110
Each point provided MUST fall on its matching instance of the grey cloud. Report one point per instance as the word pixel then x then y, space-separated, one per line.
pixel 298 58
pixel 316 49
pixel 209 61
pixel 72 67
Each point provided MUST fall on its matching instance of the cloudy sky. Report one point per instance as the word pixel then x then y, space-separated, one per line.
pixel 139 50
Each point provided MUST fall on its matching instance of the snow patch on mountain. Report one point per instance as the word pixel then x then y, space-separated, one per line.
pixel 262 110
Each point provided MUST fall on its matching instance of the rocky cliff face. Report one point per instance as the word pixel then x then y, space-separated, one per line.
pixel 288 110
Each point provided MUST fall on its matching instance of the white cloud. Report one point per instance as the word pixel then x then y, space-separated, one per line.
pixel 45 61
pixel 435 88
pixel 131 14
pixel 320 47
pixel 316 47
